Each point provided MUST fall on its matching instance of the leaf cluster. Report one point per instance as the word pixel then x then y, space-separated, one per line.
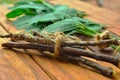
pixel 42 16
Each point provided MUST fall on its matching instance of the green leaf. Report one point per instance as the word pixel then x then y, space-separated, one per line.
pixel 96 27
pixel 15 13
pixel 48 5
pixel 37 18
pixel 19 23
pixel 63 25
pixel 23 2
pixel 90 24
pixel 81 14
pixel 43 16
pixel 57 15
pixel 30 6
pixel 70 25
pixel 32 28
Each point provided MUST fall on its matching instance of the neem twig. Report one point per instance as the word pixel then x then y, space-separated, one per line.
pixel 103 70
pixel 28 38
pixel 35 46
pixel 91 43
pixel 41 40
pixel 62 47
pixel 107 71
pixel 66 50
pixel 102 57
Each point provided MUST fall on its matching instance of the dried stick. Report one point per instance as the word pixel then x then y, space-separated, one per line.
pixel 92 43
pixel 28 38
pixel 41 40
pixel 102 57
pixel 103 70
pixel 35 46
pixel 66 50
pixel 107 71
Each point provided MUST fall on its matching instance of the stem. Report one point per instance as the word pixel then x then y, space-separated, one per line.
pixel 66 50
pixel 103 70
pixel 107 71
pixel 40 47
pixel 40 39
pixel 28 38
pixel 102 57
pixel 91 43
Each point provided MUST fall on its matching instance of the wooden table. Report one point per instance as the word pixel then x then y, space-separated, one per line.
pixel 22 66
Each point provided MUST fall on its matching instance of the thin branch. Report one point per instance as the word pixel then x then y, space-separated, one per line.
pixel 92 43
pixel 41 40
pixel 107 71
pixel 66 50
pixel 28 38
pixel 102 57
pixel 74 59
pixel 21 45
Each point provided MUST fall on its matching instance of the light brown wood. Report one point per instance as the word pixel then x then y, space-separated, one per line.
pixel 16 65
pixel 23 67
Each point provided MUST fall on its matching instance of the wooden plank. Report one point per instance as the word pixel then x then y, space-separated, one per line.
pixel 3 20
pixel 17 65
pixel 60 70
pixel 68 71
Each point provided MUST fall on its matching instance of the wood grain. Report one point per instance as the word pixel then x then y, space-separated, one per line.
pixel 56 70
pixel 16 65
pixel 59 70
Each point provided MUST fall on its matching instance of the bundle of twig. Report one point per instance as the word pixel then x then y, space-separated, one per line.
pixel 64 47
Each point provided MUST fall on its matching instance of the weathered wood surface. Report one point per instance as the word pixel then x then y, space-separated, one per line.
pixel 22 66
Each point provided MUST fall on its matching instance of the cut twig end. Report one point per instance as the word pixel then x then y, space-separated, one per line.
pixel 119 64
pixel 109 73
pixel 116 75
pixel 4 36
